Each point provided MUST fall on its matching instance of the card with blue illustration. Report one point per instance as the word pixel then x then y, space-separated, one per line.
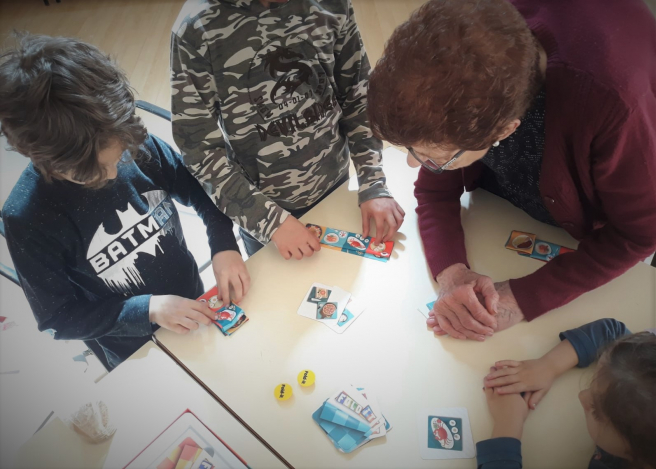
pixel 351 312
pixel 323 303
pixel 445 434
pixel 352 243
pixel 427 307
pixel 229 318
pixel 545 251
pixel 318 294
pixel 351 418
pixel 335 238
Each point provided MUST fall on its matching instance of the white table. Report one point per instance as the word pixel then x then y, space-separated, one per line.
pixel 145 394
pixel 389 348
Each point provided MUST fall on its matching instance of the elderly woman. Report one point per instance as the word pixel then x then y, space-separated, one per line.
pixel 550 105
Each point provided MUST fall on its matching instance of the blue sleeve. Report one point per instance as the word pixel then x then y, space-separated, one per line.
pixel 589 339
pixel 186 189
pixel 58 304
pixel 499 453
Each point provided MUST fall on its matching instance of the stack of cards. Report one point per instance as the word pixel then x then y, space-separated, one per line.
pixel 352 243
pixel 230 318
pixel 445 434
pixel 351 417
pixel 527 245
pixel 332 306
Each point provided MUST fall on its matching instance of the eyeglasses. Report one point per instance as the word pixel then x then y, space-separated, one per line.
pixel 431 165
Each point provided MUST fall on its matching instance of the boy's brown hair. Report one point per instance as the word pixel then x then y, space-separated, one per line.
pixel 62 101
pixel 627 400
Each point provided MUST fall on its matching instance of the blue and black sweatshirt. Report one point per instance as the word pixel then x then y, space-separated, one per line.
pixel 90 259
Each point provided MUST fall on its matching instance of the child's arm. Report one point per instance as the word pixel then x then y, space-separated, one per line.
pixel 504 449
pixel 60 306
pixel 184 188
pixel 351 74
pixel 578 347
pixel 197 133
pixel 231 274
pixel 590 339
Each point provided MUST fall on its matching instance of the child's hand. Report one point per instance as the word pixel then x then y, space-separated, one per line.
pixel 293 239
pixel 508 412
pixel 179 314
pixel 530 376
pixel 388 217
pixel 535 376
pixel 232 279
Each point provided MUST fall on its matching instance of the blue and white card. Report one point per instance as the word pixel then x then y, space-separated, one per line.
pixel 351 312
pixel 445 434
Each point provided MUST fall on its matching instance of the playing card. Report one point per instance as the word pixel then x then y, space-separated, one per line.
pixel 427 307
pixel 316 293
pixel 379 250
pixel 333 422
pixel 445 434
pixel 545 251
pixel 352 243
pixel 230 318
pixel 330 310
pixel 378 428
pixel 334 239
pixel 351 312
pixel 341 297
pixel 521 242
pixel 353 403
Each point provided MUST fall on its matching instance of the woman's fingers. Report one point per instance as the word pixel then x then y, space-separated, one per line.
pixel 465 324
pixel 446 326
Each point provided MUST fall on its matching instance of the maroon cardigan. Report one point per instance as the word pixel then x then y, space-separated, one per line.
pixel 598 176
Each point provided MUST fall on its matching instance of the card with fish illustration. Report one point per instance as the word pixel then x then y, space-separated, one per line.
pixel 521 242
pixel 445 434
pixel 352 243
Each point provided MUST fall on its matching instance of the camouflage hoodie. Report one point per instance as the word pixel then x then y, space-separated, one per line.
pixel 269 102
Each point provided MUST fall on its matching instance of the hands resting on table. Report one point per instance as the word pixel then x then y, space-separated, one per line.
pixel 471 306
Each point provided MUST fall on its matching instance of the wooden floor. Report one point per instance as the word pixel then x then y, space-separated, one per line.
pixel 137 32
